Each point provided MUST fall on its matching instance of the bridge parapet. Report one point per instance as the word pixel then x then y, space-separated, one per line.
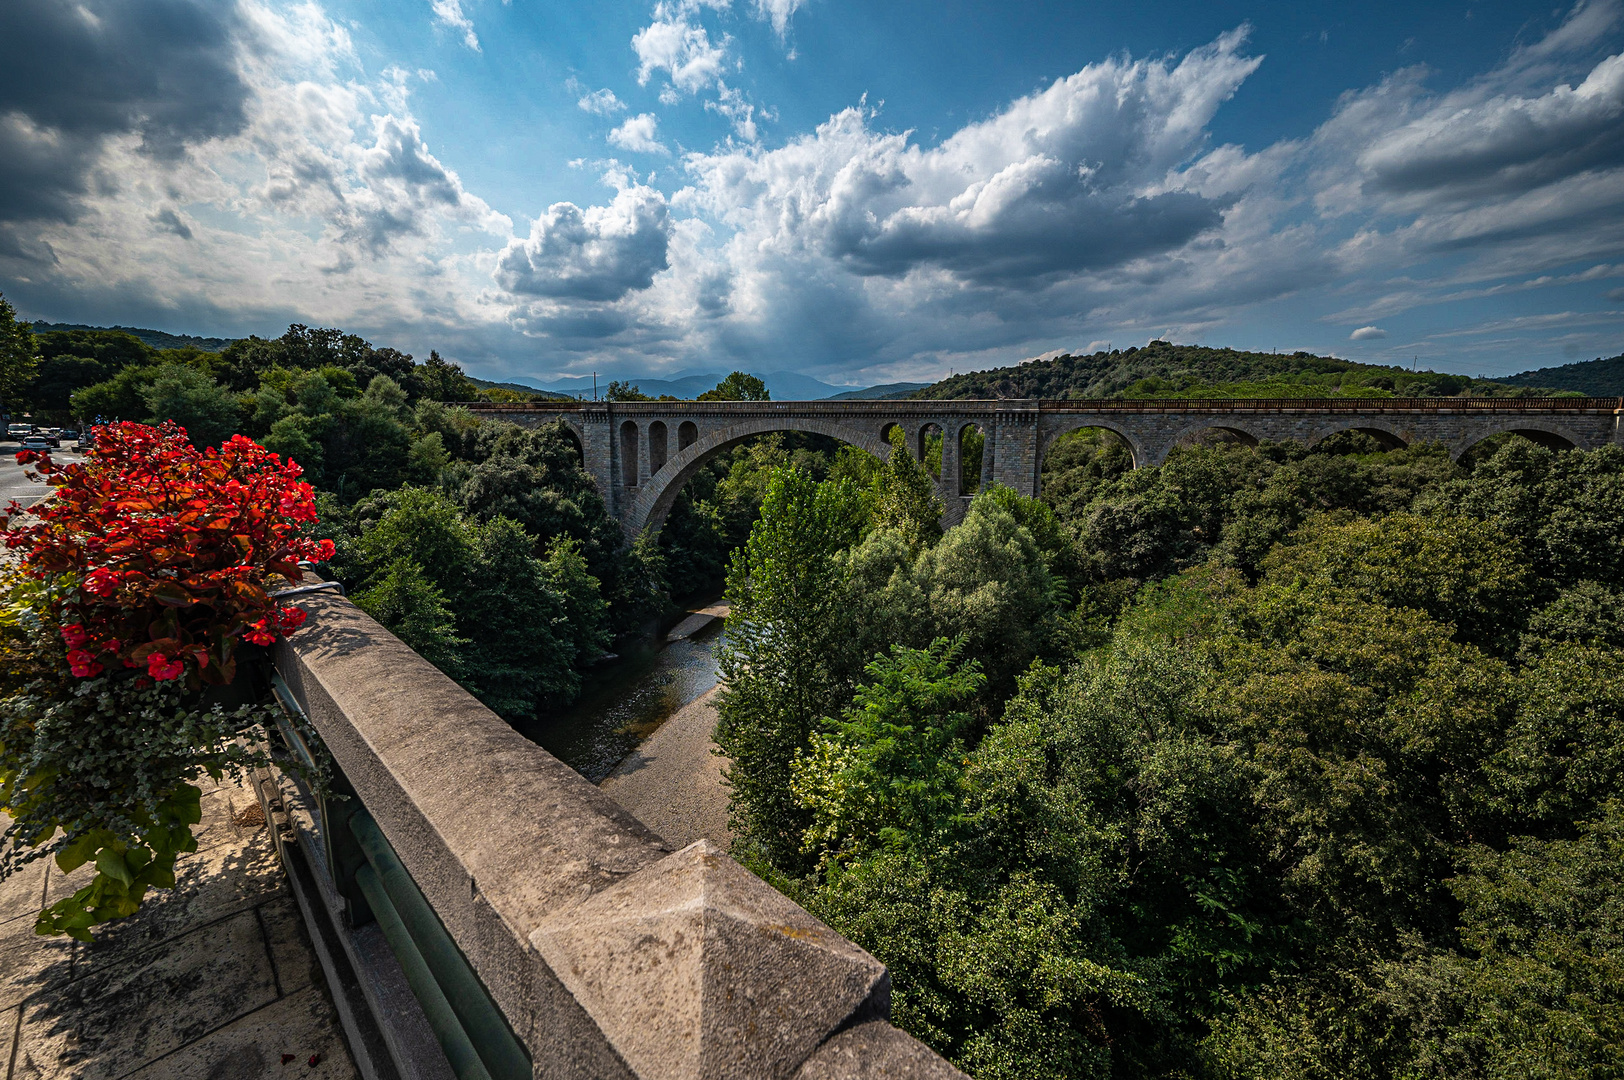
pixel 539 928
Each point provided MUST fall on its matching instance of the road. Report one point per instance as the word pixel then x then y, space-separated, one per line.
pixel 14 481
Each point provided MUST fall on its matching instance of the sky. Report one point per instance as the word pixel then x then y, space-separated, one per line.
pixel 858 192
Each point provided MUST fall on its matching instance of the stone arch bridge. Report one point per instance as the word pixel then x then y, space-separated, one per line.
pixel 642 453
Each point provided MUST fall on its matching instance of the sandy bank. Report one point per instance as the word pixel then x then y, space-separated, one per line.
pixel 673 783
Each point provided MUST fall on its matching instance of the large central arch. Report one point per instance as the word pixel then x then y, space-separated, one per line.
pixel 660 491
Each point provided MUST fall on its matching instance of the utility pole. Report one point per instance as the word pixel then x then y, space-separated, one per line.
pixel 594 386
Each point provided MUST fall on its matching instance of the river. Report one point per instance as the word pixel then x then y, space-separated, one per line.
pixel 624 701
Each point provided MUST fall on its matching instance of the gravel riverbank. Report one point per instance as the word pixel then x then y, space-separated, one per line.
pixel 673 783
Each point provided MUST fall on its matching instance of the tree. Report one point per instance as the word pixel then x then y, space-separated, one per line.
pixel 904 498
pixel 441 380
pixel 18 357
pixel 414 610
pixel 888 774
pixel 123 397
pixel 207 411
pixel 781 665
pixel 624 391
pixel 737 387
pixel 58 378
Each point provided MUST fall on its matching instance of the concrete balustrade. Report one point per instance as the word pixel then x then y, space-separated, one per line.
pixel 609 955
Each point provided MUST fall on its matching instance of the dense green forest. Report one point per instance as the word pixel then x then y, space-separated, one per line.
pixel 1263 763
pixel 1161 369
pixel 1601 377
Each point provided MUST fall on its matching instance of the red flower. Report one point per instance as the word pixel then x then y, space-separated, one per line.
pixel 101 581
pixel 83 664
pixel 169 543
pixel 161 668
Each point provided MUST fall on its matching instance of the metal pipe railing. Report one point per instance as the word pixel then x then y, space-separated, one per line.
pixel 475 1036
pixel 459 1049
pixel 477 1015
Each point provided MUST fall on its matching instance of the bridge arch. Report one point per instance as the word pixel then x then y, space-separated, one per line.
pixel 1136 449
pixel 1550 435
pixel 1389 435
pixel 660 491
pixel 1190 434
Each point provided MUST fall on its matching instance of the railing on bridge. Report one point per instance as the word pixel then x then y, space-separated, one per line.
pixel 484 912
pixel 1453 405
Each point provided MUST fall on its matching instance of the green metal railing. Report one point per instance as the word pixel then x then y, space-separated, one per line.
pixel 369 876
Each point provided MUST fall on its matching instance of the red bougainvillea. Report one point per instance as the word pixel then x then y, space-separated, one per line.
pixel 167 551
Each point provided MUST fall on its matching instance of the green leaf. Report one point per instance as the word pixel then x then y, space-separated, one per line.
pixel 111 863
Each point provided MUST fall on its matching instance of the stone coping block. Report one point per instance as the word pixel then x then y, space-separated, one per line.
pixel 610 955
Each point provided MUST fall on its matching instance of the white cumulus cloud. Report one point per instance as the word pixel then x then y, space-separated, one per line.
pixel 779 13
pixel 680 48
pixel 1368 333
pixel 638 134
pixel 601 103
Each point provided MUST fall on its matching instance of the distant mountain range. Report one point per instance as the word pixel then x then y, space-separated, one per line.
pixel 879 393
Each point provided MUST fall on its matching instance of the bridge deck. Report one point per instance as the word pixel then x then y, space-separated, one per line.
pixel 1076 405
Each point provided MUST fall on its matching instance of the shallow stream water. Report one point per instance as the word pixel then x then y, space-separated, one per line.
pixel 624 701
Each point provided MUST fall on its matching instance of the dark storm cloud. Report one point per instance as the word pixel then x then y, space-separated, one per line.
pixel 1507 144
pixel 77 74
pixel 1034 238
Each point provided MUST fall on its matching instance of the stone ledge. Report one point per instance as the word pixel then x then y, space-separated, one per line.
pixel 563 903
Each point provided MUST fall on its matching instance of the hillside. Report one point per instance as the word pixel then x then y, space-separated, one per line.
pixel 519 388
pixel 883 392
pixel 1593 378
pixel 155 338
pixel 1162 369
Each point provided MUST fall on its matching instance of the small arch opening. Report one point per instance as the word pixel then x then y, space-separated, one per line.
pixel 972 452
pixel 628 454
pixel 656 447
pixel 888 435
pixel 930 449
pixel 687 435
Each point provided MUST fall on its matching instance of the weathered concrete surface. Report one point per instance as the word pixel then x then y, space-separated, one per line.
pixel 557 896
pixel 673 782
pixel 692 968
pixel 642 453
pixel 875 1051
pixel 212 980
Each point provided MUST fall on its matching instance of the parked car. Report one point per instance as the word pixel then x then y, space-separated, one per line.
pixel 19 431
pixel 51 435
pixel 36 442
